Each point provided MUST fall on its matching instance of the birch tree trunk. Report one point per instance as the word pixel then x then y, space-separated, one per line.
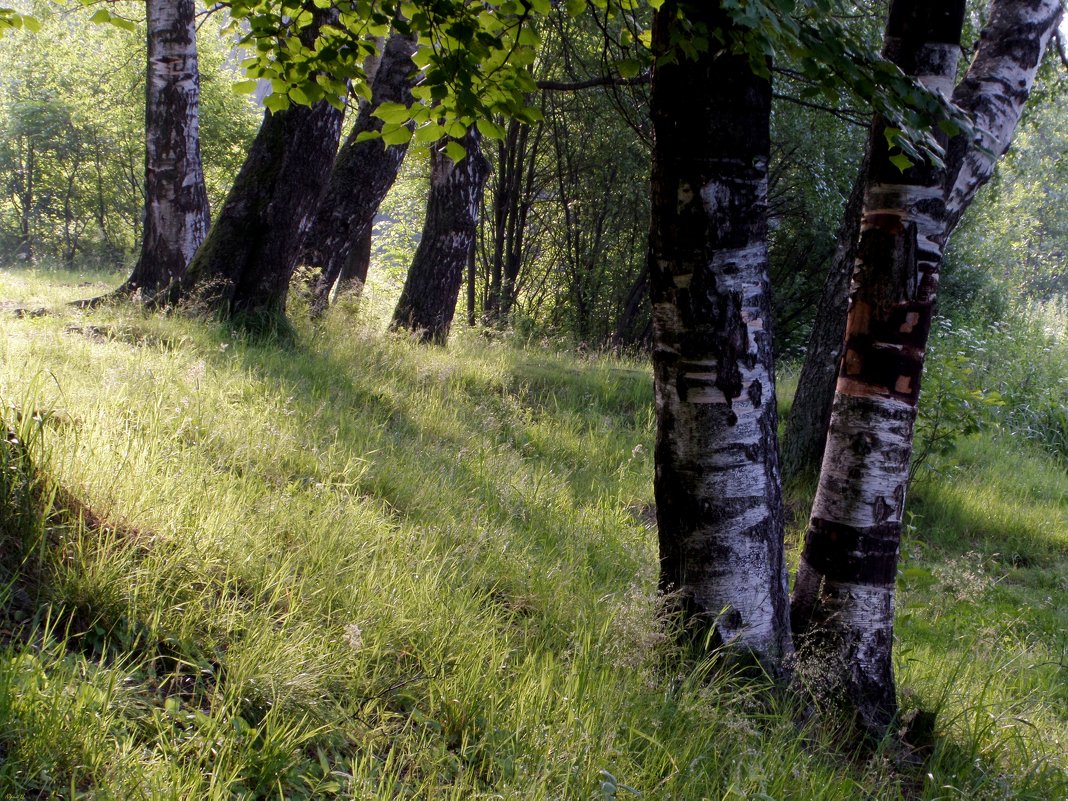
pixel 993 92
pixel 242 270
pixel 176 200
pixel 428 301
pixel 717 484
pixel 844 594
pixel 845 585
pixel 339 241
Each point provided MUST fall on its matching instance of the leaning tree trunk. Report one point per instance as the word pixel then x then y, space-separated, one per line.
pixel 810 412
pixel 339 241
pixel 243 269
pixel 717 485
pixel 845 583
pixel 844 593
pixel 993 92
pixel 428 301
pixel 176 200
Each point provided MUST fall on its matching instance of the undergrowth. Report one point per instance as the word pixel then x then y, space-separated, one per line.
pixel 356 567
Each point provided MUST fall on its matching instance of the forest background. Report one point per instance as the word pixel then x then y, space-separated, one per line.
pixel 73 130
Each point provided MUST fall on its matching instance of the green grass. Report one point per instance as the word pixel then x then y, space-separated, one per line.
pixel 359 568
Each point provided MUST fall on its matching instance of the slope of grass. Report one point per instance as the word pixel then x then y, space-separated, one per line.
pixel 358 568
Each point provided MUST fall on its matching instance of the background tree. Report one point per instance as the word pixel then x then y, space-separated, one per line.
pixel 428 301
pixel 176 198
pixel 94 75
pixel 339 241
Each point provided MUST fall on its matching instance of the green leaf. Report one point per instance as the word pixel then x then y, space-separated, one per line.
pixel 279 102
pixel 298 96
pixel 455 151
pixel 431 132
pixel 628 67
pixel 392 113
pixel 101 17
pixel 396 135
pixel 244 87
pixel 575 7
pixel 901 161
pixel 489 129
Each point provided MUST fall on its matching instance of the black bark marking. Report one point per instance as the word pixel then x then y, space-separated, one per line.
pixel 755 389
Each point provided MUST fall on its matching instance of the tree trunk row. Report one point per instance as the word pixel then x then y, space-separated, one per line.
pixel 339 242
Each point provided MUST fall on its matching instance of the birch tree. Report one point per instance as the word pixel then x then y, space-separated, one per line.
pixel 993 92
pixel 338 242
pixel 717 486
pixel 243 268
pixel 428 301
pixel 176 200
pixel 844 593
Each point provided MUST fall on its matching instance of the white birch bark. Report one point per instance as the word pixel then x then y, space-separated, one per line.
pixel 844 599
pixel 176 201
pixel 995 90
pixel 719 504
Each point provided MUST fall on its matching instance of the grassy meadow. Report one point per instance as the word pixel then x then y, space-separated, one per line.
pixel 353 567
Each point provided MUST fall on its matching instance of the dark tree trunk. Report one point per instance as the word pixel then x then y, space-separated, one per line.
pixel 627 332
pixel 471 273
pixel 844 594
pixel 339 242
pixel 428 301
pixel 717 484
pixel 176 200
pixel 806 427
pixel 513 196
pixel 242 270
pixel 26 199
pixel 354 272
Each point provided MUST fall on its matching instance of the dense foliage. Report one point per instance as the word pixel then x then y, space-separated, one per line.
pixel 72 135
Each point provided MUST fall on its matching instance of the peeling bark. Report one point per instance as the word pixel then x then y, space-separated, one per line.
pixel 717 484
pixel 176 199
pixel 844 595
pixel 993 92
pixel 428 301
pixel 339 241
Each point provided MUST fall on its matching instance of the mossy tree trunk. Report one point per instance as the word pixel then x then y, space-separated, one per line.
pixel 717 483
pixel 428 301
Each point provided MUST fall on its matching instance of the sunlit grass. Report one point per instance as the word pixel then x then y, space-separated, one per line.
pixel 356 567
